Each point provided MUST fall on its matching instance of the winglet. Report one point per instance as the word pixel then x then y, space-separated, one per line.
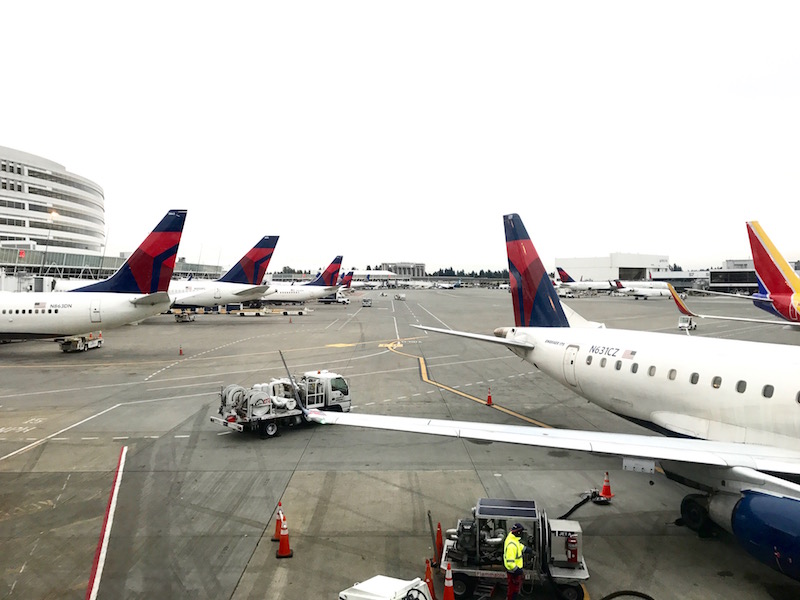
pixel 535 300
pixel 252 267
pixel 150 267
pixel 680 303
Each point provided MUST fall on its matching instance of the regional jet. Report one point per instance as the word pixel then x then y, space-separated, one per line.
pixel 136 291
pixel 733 407
pixel 323 285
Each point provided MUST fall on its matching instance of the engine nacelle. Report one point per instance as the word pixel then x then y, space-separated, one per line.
pixel 768 527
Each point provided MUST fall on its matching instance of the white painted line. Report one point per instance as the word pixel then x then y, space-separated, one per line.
pixel 100 556
pixel 369 404
pixel 122 437
pixel 181 436
pixel 89 438
pixel 388 400
pixel 225 433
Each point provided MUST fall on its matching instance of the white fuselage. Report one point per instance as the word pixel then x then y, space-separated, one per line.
pixel 585 286
pixel 706 388
pixel 57 314
pixel 297 293
pixel 645 292
pixel 201 293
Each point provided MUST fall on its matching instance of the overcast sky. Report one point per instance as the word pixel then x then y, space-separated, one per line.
pixel 403 131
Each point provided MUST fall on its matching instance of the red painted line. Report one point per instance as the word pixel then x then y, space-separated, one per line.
pixel 102 544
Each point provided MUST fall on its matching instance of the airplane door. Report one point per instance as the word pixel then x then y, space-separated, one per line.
pixel 94 310
pixel 570 355
pixel 217 294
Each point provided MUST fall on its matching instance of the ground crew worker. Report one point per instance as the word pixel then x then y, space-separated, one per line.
pixel 513 549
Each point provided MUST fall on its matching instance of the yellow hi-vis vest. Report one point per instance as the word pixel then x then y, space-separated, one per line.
pixel 512 552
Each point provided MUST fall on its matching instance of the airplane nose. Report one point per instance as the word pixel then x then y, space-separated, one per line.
pixel 502 332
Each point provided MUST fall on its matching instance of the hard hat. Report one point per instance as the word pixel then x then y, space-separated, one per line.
pixel 517 528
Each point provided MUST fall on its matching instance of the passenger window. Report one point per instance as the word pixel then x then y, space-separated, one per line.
pixel 741 386
pixel 651 371
pixel 589 359
pixel 603 362
pixel 618 366
pixel 672 374
pixel 797 398
pixel 767 391
pixel 716 382
pixel 694 378
pixel 634 367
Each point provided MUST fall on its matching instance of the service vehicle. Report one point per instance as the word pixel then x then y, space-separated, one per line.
pixel 399 296
pixel 382 587
pixel 81 343
pixel 337 298
pixel 366 302
pixel 281 402
pixel 686 323
pixel 184 317
pixel 474 549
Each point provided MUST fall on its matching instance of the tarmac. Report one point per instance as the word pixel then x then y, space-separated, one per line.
pixel 195 503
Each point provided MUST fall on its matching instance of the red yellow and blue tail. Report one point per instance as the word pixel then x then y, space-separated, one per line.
pixel 536 303
pixel 149 269
pixel 777 281
pixel 329 276
pixel 346 280
pixel 564 276
pixel 253 266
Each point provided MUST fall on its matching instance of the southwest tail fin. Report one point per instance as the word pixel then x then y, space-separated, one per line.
pixel 253 266
pixel 564 276
pixel 150 267
pixel 682 308
pixel 329 276
pixel 536 303
pixel 775 276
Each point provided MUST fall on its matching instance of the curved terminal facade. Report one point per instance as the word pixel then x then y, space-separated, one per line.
pixel 44 207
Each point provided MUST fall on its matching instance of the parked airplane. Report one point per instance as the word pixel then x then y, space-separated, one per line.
pixel 346 281
pixel 641 292
pixel 323 285
pixel 580 286
pixel 241 284
pixel 738 398
pixel 778 285
pixel 136 291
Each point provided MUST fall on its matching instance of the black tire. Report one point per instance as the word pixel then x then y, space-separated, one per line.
pixel 693 513
pixel 270 429
pixel 571 592
pixel 463 586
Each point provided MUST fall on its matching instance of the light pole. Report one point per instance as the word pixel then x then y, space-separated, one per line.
pixel 53 215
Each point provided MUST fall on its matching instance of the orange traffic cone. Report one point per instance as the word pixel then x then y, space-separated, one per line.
pixel 290 319
pixel 489 399
pixel 429 578
pixel 448 585
pixel 439 543
pixel 605 495
pixel 180 350
pixel 283 550
pixel 278 518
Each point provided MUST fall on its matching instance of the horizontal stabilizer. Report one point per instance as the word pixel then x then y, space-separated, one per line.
pixel 477 336
pixel 152 299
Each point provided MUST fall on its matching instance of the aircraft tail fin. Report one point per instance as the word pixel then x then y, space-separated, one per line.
pixel 680 303
pixel 775 275
pixel 536 303
pixel 564 276
pixel 150 267
pixel 329 276
pixel 347 280
pixel 252 267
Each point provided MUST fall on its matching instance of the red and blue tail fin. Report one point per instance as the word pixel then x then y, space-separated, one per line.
pixel 330 275
pixel 347 280
pixel 536 303
pixel 564 276
pixel 775 275
pixel 150 267
pixel 253 266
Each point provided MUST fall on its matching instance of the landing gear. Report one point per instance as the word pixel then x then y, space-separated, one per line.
pixel 694 514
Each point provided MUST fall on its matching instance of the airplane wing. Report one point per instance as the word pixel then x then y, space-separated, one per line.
pixel 152 299
pixel 477 336
pixel 264 290
pixel 684 309
pixel 739 296
pixel 750 460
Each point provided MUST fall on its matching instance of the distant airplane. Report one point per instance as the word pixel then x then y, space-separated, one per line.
pixel 644 293
pixel 323 285
pixel 778 285
pixel 739 398
pixel 346 281
pixel 136 291
pixel 243 283
pixel 580 286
